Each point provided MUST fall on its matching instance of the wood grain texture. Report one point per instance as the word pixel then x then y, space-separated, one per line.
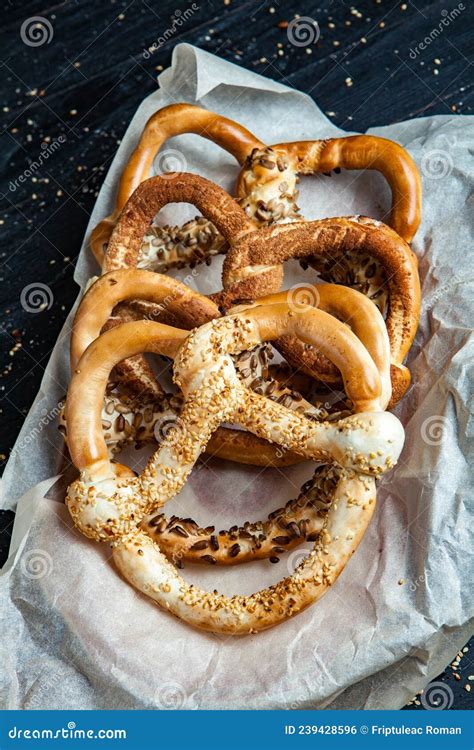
pixel 84 85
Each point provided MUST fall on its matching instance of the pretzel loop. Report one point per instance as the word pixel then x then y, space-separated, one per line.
pixel 151 195
pixel 164 124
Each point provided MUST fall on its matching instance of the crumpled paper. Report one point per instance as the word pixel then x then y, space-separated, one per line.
pixel 75 635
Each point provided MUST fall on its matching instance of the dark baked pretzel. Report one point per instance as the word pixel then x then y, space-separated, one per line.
pixel 164 124
pixel 266 186
pixel 253 265
pixel 330 241
pixel 108 503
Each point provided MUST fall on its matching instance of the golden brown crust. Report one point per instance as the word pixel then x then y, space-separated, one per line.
pixel 333 239
pixel 349 152
pixel 87 445
pixel 266 171
pixel 156 192
pixel 186 308
pixel 253 266
pixel 164 124
pixel 123 251
pixel 367 152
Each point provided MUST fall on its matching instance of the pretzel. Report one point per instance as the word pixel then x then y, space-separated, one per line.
pixel 253 265
pixel 124 424
pixel 267 191
pixel 107 504
pixel 183 539
pixel 266 185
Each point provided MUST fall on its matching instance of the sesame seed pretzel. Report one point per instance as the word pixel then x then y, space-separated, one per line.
pixel 107 504
pixel 266 186
pixel 182 539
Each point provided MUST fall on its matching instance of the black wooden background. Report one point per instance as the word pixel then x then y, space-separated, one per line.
pixel 79 77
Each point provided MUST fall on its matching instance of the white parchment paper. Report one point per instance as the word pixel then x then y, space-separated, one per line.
pixel 74 635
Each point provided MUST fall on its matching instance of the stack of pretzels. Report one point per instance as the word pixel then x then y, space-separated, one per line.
pixel 342 342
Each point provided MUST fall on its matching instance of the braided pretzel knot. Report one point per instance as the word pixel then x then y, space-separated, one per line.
pixel 183 539
pixel 267 183
pixel 107 506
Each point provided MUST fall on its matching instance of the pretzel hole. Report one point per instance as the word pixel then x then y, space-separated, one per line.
pixel 182 243
pixel 349 192
pixel 193 153
pixel 222 495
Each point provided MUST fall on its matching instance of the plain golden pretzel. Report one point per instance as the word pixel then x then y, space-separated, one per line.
pixel 259 185
pixel 164 124
pixel 267 183
pixel 107 505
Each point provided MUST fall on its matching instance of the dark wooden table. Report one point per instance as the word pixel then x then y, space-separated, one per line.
pixel 77 75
